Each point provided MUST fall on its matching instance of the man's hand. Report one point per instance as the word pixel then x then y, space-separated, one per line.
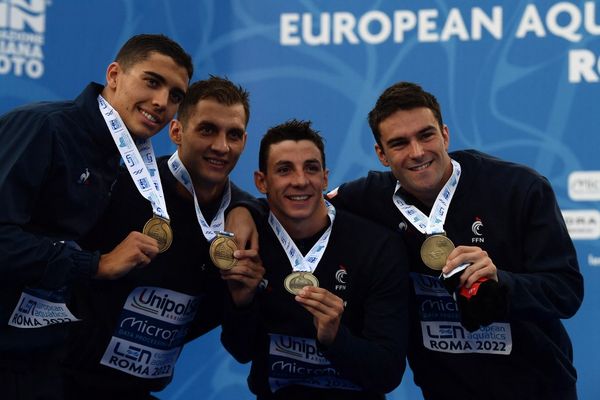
pixel 135 250
pixel 481 266
pixel 244 277
pixel 239 222
pixel 326 309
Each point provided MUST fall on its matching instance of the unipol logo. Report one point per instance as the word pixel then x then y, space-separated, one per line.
pixel 22 29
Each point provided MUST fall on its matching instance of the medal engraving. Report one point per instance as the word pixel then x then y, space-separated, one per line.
pixel 295 281
pixel 159 229
pixel 435 250
pixel 221 252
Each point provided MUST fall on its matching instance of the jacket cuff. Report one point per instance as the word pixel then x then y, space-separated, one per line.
pixel 339 344
pixel 71 265
pixel 85 264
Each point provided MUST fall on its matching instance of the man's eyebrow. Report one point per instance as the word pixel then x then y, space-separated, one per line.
pixel 283 162
pixel 156 76
pixel 403 139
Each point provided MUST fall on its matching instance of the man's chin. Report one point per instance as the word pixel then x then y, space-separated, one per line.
pixel 143 134
pixel 215 180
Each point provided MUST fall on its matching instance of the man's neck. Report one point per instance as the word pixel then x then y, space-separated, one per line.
pixel 206 194
pixel 107 95
pixel 428 201
pixel 209 193
pixel 303 228
pixel 428 198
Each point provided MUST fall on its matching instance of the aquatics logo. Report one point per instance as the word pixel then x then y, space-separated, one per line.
pixel 22 37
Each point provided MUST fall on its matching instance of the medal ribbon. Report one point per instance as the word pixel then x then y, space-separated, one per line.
pixel 181 174
pixel 297 260
pixel 435 223
pixel 138 157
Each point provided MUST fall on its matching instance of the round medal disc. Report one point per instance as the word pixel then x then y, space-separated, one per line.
pixel 295 281
pixel 159 229
pixel 435 250
pixel 221 252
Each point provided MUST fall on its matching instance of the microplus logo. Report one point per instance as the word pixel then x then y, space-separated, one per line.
pixel 22 29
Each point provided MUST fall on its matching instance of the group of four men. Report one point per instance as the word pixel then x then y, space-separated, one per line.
pixel 109 270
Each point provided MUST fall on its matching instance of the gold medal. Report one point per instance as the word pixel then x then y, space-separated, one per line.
pixel 159 229
pixel 435 251
pixel 295 281
pixel 221 251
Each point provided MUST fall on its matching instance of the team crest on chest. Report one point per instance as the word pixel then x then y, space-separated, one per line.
pixel 341 278
pixel 478 231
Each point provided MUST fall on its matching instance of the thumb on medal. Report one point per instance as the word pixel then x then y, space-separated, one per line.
pixel 135 250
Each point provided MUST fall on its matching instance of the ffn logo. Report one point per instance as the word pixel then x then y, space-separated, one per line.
pixel 476 228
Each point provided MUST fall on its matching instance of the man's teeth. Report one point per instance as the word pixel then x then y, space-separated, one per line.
pixel 216 162
pixel 303 197
pixel 421 167
pixel 148 116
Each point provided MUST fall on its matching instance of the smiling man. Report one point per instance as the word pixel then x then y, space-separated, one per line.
pixel 153 311
pixel 58 161
pixel 493 227
pixel 331 319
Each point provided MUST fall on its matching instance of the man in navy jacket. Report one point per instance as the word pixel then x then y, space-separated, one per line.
pixel 57 164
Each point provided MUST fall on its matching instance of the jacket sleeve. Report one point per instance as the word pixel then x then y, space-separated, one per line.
pixel 380 348
pixel 367 197
pixel 258 208
pixel 240 330
pixel 548 284
pixel 241 326
pixel 208 316
pixel 350 196
pixel 27 256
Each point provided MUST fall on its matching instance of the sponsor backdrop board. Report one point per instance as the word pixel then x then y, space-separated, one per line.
pixel 516 79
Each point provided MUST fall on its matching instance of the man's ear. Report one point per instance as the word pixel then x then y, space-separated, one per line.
pixel 260 182
pixel 381 155
pixel 446 136
pixel 175 131
pixel 112 74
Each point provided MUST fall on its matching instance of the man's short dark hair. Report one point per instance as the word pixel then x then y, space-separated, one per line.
pixel 139 47
pixel 222 90
pixel 290 130
pixel 402 96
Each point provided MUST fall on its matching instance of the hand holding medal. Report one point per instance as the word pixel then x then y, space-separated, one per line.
pixel 295 281
pixel 471 278
pixel 244 278
pixel 326 309
pixel 221 250
pixel 435 251
pixel 159 229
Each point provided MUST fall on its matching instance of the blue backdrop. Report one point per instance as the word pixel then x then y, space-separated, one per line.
pixel 517 79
